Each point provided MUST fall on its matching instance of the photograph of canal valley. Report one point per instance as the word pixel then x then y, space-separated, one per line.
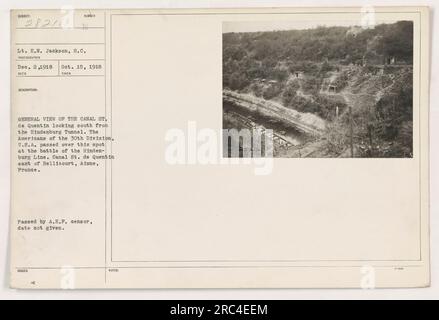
pixel 326 90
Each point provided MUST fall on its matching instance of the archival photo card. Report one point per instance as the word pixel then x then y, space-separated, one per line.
pixel 220 148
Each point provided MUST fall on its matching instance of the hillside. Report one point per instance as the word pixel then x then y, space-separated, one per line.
pixel 326 72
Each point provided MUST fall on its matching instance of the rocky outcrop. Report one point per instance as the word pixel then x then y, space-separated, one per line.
pixel 305 122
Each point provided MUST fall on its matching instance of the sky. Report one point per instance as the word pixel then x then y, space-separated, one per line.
pixel 255 26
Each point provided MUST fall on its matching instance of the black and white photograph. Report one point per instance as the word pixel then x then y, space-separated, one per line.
pixel 325 89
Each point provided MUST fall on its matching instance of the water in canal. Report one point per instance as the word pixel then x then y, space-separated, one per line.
pixel 279 127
